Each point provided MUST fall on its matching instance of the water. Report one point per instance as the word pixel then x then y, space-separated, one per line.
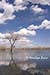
pixel 22 54
pixel 27 55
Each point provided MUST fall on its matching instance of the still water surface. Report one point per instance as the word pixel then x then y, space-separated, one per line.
pixel 26 55
pixel 21 54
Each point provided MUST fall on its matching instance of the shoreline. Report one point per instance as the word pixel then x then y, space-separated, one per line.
pixel 33 48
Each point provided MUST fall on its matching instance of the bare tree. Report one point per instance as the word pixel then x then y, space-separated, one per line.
pixel 12 37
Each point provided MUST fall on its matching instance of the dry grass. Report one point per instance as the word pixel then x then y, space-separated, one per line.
pixel 3 48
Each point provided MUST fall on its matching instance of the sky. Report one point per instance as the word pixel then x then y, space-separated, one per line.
pixel 30 18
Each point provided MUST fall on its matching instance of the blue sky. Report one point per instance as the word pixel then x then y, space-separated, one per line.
pixel 28 17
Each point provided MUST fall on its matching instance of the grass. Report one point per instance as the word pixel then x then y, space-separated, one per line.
pixel 3 48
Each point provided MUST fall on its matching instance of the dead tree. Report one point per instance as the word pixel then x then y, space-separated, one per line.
pixel 12 39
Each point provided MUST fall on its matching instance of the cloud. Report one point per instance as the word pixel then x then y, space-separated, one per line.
pixel 34 1
pixel 8 12
pixel 25 42
pixel 17 2
pixel 44 25
pixel 33 27
pixel 44 2
pixel 26 32
pixel 20 7
pixel 9 9
pixel 37 9
pixel 29 30
pixel 2 35
pixel 4 42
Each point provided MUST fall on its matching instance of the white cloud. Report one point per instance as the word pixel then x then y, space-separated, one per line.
pixel 26 32
pixel 4 42
pixel 3 1
pixel 34 1
pixel 20 7
pixel 8 12
pixel 17 2
pixel 9 9
pixel 33 27
pixel 36 9
pixel 48 27
pixel 7 34
pixel 44 2
pixel 24 43
pixel 44 25
pixel 2 35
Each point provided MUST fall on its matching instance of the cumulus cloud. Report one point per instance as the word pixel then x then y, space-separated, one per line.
pixel 44 2
pixel 33 27
pixel 18 2
pixel 26 32
pixel 44 25
pixel 34 1
pixel 36 9
pixel 9 9
pixel 25 42
pixel 20 7
pixel 2 35
pixel 8 12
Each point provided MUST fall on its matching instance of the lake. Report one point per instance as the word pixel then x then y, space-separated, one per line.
pixel 41 57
